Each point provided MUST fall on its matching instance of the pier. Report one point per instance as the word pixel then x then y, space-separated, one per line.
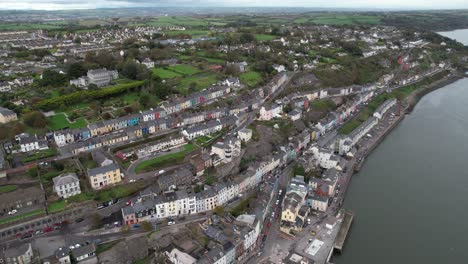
pixel 343 233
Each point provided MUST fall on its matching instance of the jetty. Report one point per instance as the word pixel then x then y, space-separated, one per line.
pixel 343 233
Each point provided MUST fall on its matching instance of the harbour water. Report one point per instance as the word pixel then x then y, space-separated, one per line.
pixel 410 196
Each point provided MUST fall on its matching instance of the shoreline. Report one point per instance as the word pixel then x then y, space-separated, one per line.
pixel 410 102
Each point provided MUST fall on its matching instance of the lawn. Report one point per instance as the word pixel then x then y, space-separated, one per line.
pixel 164 21
pixel 106 246
pixel 40 155
pixel 250 78
pixel 165 74
pixel 323 105
pixel 200 81
pixel 184 69
pixel 59 121
pixel 21 216
pixel 164 160
pixel 8 188
pixel 264 37
pixel 56 206
pixel 193 33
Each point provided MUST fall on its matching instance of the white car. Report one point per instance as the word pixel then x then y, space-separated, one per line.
pixel 132 180
pixel 12 212
pixel 171 223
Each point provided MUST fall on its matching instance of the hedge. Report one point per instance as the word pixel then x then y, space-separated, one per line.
pixel 86 95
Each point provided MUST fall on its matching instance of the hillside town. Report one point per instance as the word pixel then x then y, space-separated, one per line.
pixel 141 143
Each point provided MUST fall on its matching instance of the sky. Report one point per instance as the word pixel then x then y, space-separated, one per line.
pixel 368 4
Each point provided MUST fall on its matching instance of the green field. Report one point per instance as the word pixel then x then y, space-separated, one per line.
pixel 21 216
pixel 8 188
pixel 165 74
pixel 165 21
pixel 56 206
pixel 40 155
pixel 346 20
pixel 184 69
pixel 59 121
pixel 264 37
pixel 193 33
pixel 250 78
pixel 164 160
pixel 200 81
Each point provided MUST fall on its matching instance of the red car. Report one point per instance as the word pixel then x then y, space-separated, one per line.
pixel 48 229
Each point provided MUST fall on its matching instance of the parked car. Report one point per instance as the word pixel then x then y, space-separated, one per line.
pixel 12 212
pixel 171 223
pixel 79 220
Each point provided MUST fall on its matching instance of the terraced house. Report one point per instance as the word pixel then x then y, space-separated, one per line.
pixel 104 176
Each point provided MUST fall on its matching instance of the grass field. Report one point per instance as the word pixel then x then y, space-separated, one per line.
pixel 165 74
pixel 346 20
pixel 193 33
pixel 21 216
pixel 201 81
pixel 250 78
pixel 40 155
pixel 165 160
pixel 165 21
pixel 264 37
pixel 184 69
pixel 59 121
pixel 8 188
pixel 106 246
pixel 56 206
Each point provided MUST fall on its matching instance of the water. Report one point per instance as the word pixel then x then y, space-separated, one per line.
pixel 460 35
pixel 410 197
pixel 411 194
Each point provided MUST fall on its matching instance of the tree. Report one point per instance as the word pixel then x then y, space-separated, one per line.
pixel 130 69
pixel 76 70
pixel 92 86
pixel 35 119
pixel 144 100
pixel 146 226
pixel 247 38
pixel 52 78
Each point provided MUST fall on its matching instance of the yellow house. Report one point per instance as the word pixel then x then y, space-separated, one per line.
pixel 104 176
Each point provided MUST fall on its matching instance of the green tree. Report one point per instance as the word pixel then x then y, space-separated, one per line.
pixel 35 119
pixel 76 70
pixel 52 78
pixel 144 100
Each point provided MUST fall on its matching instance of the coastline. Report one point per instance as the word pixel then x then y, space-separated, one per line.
pixel 410 103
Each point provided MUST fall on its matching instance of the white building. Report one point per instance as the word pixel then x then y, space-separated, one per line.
pixel 269 112
pixel 245 134
pixel 178 257
pixel 67 185
pixel 228 149
pixel 383 108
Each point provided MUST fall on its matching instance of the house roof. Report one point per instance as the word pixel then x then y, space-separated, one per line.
pixel 65 179
pixel 103 169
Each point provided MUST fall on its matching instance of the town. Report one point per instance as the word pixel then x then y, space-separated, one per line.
pixel 189 140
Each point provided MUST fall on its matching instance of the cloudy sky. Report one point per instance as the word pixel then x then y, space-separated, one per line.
pixel 91 4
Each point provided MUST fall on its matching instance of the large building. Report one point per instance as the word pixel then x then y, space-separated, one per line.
pixel 294 209
pixel 104 176
pixel 99 77
pixel 22 254
pixel 67 185
pixel 7 115
pixel 227 149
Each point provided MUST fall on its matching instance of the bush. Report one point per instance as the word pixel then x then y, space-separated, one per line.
pixel 86 96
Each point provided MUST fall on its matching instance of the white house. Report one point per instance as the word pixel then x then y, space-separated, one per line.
pixel 176 256
pixel 244 134
pixel 67 185
pixel 227 149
